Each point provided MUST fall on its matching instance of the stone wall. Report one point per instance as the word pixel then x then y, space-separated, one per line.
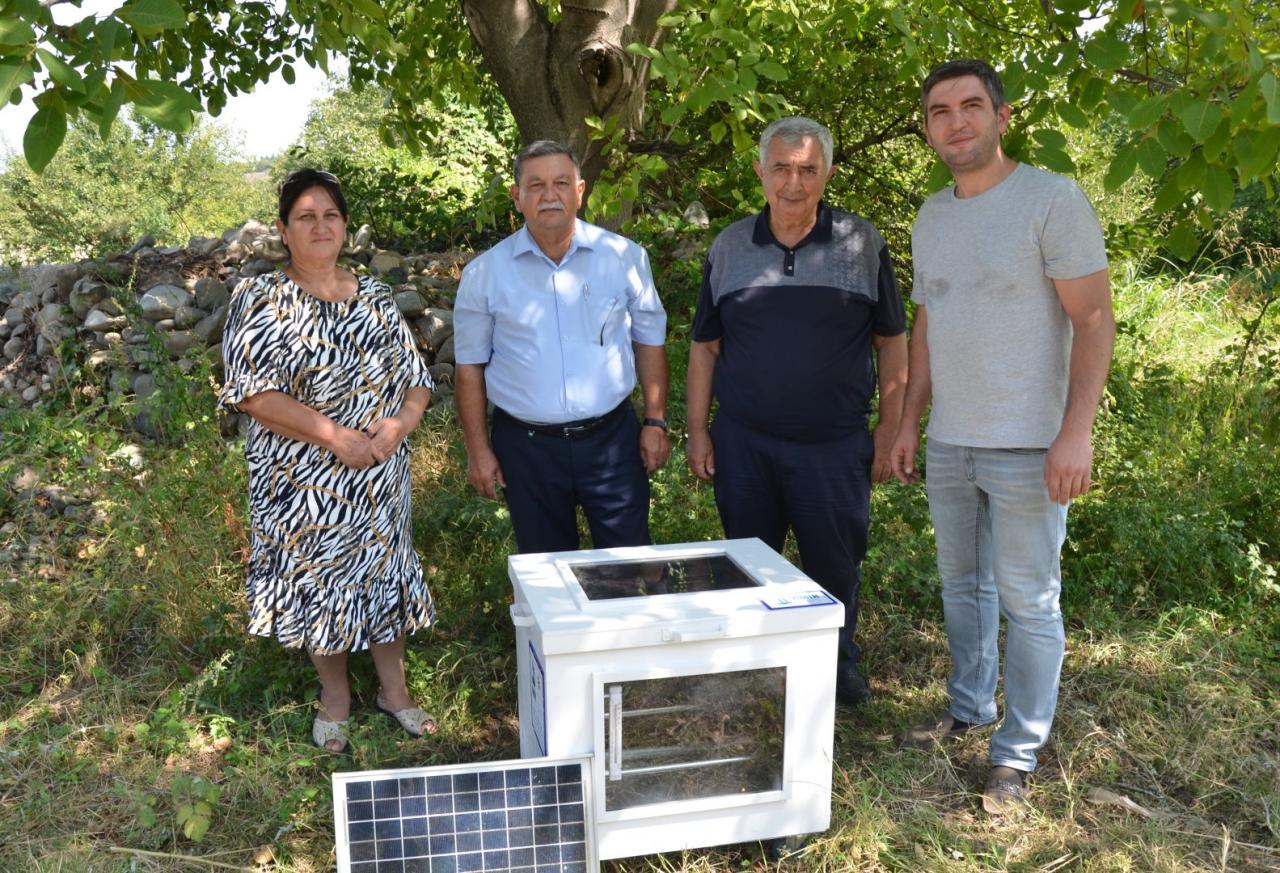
pixel 117 318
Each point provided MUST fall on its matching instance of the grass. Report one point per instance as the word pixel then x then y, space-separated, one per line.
pixel 140 730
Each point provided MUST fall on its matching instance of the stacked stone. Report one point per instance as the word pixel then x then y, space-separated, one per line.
pixel 104 314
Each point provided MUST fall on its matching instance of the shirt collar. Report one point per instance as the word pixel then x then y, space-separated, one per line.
pixel 584 237
pixel 819 233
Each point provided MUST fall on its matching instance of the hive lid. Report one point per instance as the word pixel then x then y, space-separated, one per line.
pixel 736 587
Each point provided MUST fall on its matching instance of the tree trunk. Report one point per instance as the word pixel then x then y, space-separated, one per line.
pixel 555 76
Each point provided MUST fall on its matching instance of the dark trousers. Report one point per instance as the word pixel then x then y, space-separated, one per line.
pixel 822 491
pixel 548 476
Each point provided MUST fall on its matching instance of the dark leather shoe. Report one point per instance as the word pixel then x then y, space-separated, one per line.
pixel 851 686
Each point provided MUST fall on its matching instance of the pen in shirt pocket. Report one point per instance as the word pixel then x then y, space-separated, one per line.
pixel 612 305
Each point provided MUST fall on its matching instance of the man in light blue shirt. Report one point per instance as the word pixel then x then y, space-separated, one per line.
pixel 555 325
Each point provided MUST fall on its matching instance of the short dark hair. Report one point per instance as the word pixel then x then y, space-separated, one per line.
pixel 540 149
pixel 305 179
pixel 986 74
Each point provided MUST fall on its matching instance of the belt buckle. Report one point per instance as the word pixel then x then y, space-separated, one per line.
pixel 570 432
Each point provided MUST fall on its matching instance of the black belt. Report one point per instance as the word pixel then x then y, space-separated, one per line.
pixel 569 430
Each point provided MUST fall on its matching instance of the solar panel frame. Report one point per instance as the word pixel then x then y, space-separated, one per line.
pixel 525 815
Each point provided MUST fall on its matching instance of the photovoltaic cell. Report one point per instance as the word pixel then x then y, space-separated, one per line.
pixel 527 816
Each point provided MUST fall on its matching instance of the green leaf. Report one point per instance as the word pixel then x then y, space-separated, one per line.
pixel 1243 103
pixel 13 75
pixel 370 10
pixel 1152 158
pixel 1055 159
pixel 1219 190
pixel 1183 241
pixel 1191 173
pixel 1211 19
pixel 1256 152
pixel 149 17
pixel 60 71
pixel 1177 11
pixel 939 177
pixel 772 70
pixel 286 73
pixel 1147 112
pixel 718 130
pixel 1216 144
pixel 1092 92
pixel 107 32
pixel 1269 93
pixel 1050 138
pixel 15 31
pixel 1201 119
pixel 671 19
pixel 111 108
pixel 672 114
pixel 1015 83
pixel 1168 197
pixel 45 133
pixel 1106 51
pixel 1174 139
pixel 166 104
pixel 1121 169
pixel 1122 101
pixel 1073 115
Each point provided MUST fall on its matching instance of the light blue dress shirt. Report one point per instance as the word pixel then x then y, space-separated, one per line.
pixel 556 338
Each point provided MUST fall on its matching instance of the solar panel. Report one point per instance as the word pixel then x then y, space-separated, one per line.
pixel 530 816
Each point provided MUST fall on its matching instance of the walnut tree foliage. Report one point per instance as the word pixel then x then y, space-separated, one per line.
pixel 647 87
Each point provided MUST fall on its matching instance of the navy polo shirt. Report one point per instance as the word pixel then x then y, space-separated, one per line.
pixel 795 323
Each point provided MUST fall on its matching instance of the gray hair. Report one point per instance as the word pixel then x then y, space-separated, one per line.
pixel 794 130
pixel 543 148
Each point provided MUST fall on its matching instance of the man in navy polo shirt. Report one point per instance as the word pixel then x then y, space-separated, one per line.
pixel 798 306
pixel 556 325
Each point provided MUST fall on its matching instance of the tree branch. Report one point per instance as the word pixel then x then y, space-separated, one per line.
pixel 896 129
pixel 1143 79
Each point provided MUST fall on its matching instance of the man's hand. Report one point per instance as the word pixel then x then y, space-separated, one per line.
pixel 1067 467
pixel 353 448
pixel 700 454
pixel 483 470
pixel 902 456
pixel 654 448
pixel 387 434
pixel 882 464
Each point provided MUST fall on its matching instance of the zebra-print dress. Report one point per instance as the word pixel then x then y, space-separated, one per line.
pixel 333 567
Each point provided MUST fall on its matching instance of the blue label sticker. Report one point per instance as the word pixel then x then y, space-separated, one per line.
pixel 538 699
pixel 798 601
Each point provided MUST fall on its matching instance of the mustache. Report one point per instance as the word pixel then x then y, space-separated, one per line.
pixel 548 207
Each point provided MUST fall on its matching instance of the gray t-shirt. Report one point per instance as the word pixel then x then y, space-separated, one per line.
pixel 999 340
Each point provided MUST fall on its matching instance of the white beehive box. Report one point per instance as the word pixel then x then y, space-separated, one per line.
pixel 701 677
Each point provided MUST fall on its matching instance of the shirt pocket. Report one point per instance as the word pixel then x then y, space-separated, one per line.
pixel 604 316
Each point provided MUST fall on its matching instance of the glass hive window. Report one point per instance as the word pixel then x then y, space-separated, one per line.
pixel 609 581
pixel 688 737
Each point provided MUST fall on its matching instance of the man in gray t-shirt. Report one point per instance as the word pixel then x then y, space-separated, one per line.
pixel 1012 342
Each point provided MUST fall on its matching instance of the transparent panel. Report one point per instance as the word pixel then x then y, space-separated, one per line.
pixel 688 737
pixel 649 578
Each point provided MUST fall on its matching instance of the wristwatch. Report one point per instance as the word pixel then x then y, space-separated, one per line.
pixel 655 422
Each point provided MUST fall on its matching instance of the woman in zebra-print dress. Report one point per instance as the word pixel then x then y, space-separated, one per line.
pixel 328 371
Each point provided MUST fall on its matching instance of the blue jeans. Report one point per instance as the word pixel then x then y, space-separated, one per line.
pixel 999 537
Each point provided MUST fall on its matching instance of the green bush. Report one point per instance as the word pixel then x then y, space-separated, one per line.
pixel 452 193
pixel 98 196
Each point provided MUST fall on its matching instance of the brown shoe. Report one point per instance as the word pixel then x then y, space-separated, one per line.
pixel 1006 792
pixel 941 729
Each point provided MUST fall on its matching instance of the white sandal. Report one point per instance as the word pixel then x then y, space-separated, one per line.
pixel 412 720
pixel 324 732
